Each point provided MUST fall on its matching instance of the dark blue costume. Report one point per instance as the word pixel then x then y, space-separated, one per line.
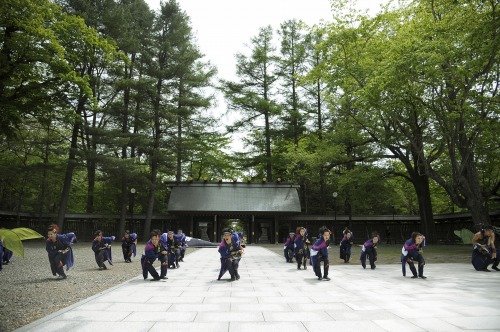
pixel 5 255
pixel 302 253
pixel 345 248
pixel 369 249
pixel 482 253
pixel 60 253
pixel 181 239
pixel 410 253
pixel 319 253
pixel 230 257
pixel 151 253
pixel 102 251
pixel 129 247
pixel 289 248
pixel 173 246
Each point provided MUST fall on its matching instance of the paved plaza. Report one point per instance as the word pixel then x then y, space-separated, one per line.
pixel 273 296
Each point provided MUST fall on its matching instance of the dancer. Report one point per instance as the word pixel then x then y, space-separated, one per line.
pixel 181 237
pixel 152 251
pixel 174 250
pixel 345 245
pixel 230 250
pixel 369 249
pixel 484 252
pixel 319 252
pixel 102 249
pixel 129 246
pixel 301 244
pixel 412 252
pixel 59 250
pixel 288 247
pixel 5 255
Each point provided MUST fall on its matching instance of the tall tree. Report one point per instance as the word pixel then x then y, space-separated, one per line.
pixel 252 95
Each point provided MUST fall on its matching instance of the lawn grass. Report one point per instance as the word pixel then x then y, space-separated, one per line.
pixel 391 253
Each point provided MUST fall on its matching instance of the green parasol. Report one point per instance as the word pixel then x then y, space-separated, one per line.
pixel 12 238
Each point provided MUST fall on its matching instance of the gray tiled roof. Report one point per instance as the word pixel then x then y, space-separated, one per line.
pixel 234 198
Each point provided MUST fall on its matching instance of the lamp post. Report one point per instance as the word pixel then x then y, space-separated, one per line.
pixel 335 194
pixel 132 197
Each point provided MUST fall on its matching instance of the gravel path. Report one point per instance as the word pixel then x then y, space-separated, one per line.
pixel 28 291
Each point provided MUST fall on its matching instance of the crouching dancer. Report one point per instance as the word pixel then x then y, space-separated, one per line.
pixel 319 253
pixel 59 249
pixel 301 244
pixel 153 251
pixel 369 249
pixel 102 249
pixel 484 252
pixel 129 246
pixel 230 250
pixel 412 252
pixel 288 247
pixel 345 245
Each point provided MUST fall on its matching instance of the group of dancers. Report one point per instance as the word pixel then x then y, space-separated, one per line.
pixel 168 248
pixel 298 246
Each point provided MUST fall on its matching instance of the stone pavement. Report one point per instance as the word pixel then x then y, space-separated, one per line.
pixel 272 295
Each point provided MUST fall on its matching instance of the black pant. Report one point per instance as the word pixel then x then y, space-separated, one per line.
pixel 173 257
pixel 301 256
pixel 345 253
pixel 317 266
pixel 372 257
pixel 147 267
pixel 127 252
pixel 289 255
pixel 411 259
pixel 481 260
pixel 57 263
pixel 100 258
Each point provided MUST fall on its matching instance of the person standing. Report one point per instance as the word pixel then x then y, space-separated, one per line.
pixel 181 238
pixel 301 247
pixel 411 253
pixel 129 246
pixel 152 252
pixel 230 251
pixel 346 245
pixel 102 249
pixel 319 253
pixel 59 250
pixel 369 249
pixel 289 247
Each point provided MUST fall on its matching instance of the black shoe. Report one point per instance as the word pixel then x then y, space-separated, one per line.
pixel 237 277
pixel 485 270
pixel 163 278
pixel 319 278
pixel 373 267
pixel 156 279
pixel 326 278
pixel 495 268
pixel 298 267
pixel 414 277
pixel 305 267
pixel 423 277
pixel 232 279
pixel 364 266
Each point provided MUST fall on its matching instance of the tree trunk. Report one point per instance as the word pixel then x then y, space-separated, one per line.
pixel 43 189
pixel 422 189
pixel 154 162
pixel 91 170
pixel 70 167
pixel 125 132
